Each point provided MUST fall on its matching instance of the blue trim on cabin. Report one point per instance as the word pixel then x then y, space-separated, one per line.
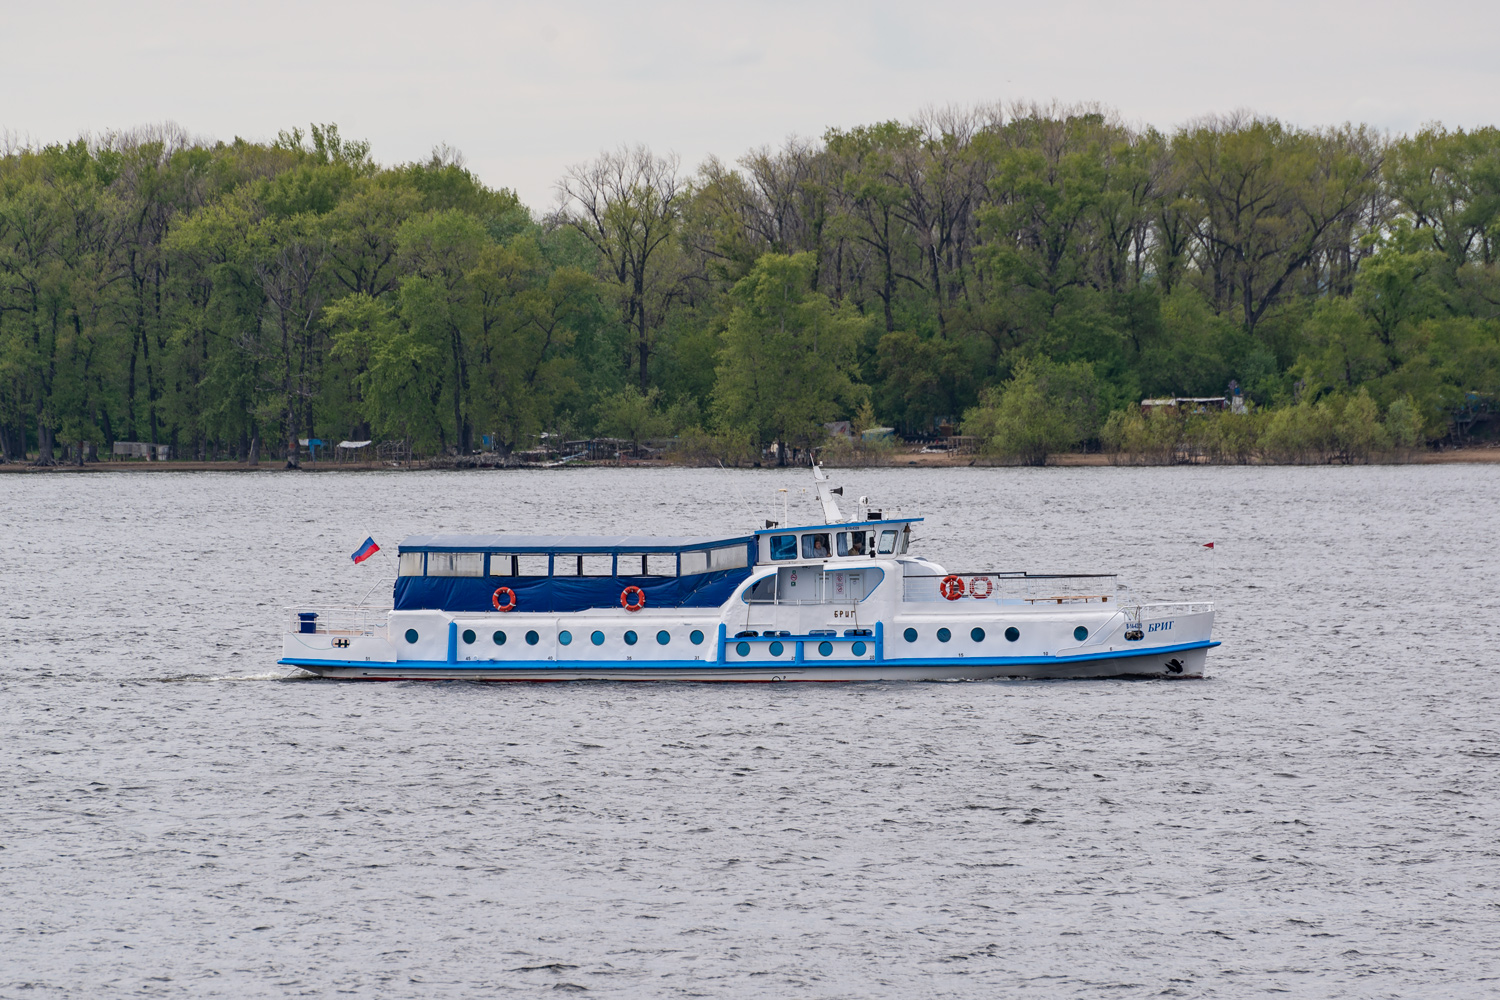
pixel 841 526
pixel 526 665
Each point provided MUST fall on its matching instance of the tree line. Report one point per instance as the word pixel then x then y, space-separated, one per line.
pixel 1029 273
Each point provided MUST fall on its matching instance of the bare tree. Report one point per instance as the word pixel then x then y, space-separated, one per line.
pixel 627 204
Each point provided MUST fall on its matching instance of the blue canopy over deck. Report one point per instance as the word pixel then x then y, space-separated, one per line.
pixel 560 573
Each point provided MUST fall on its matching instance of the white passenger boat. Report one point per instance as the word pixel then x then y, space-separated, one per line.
pixel 841 600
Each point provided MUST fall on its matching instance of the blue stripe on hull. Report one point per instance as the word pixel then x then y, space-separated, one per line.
pixel 740 665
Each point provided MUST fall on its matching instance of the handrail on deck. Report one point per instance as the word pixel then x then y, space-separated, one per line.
pixel 343 621
pixel 1031 588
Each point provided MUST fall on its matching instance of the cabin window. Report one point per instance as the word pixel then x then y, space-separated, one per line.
pixel 502 564
pixel 887 542
pixel 731 557
pixel 409 564
pixel 599 565
pixel 783 546
pixel 531 565
pixel 455 564
pixel 652 564
pixel 588 564
pixel 853 543
pixel 815 545
pixel 694 562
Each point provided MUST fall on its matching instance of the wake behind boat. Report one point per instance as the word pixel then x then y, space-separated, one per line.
pixel 837 600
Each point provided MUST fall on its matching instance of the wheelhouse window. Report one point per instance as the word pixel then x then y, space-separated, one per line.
pixel 409 564
pixel 455 564
pixel 854 543
pixel 887 542
pixel 815 545
pixel 531 565
pixel 783 546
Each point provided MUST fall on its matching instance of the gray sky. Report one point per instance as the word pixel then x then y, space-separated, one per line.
pixel 524 90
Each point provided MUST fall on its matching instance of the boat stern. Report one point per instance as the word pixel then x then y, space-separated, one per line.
pixel 330 637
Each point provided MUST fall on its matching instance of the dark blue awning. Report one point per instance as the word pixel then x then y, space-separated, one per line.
pixel 612 544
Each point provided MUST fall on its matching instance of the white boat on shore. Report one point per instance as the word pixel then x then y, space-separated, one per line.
pixel 838 600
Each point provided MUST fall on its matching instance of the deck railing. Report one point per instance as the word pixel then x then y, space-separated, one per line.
pixel 1135 612
pixel 1012 588
pixel 338 621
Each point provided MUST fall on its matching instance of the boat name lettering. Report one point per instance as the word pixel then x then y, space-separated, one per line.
pixel 1158 626
pixel 843 614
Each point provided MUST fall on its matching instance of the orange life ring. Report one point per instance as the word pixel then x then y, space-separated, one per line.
pixel 632 605
pixel 952 587
pixel 974 582
pixel 510 599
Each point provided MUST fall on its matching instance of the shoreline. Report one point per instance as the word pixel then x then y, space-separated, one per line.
pixel 1449 456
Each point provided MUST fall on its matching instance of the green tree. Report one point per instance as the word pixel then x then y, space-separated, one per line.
pixel 788 362
pixel 1045 407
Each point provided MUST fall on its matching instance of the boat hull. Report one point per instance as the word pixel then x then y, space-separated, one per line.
pixel 1187 661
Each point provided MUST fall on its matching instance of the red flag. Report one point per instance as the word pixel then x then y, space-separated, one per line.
pixel 1208 545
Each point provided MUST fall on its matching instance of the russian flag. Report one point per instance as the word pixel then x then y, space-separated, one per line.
pixel 365 551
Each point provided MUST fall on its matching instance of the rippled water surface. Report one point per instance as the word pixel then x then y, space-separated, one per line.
pixel 184 818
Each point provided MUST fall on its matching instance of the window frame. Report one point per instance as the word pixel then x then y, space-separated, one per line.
pixel 771 547
pixel 809 544
pixel 455 564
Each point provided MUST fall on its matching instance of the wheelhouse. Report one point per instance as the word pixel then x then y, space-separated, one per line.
pixel 819 542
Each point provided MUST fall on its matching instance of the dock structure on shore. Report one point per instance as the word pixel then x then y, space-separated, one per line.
pixel 142 449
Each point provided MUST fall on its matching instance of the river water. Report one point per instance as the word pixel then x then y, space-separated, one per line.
pixel 1321 817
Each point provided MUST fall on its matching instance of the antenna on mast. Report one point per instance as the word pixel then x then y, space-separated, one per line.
pixel 831 512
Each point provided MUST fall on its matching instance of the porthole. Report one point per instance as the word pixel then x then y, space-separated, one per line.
pixel 944 635
pixel 499 638
pixel 565 637
pixel 411 635
pixel 777 649
pixel 532 638
pixel 597 638
pixel 858 649
pixel 663 637
pixel 1080 633
pixel 630 638
pixel 1012 634
pixel 977 634
pixel 825 649
pixel 910 635
pixel 743 649
pixel 469 636
pixel 696 637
